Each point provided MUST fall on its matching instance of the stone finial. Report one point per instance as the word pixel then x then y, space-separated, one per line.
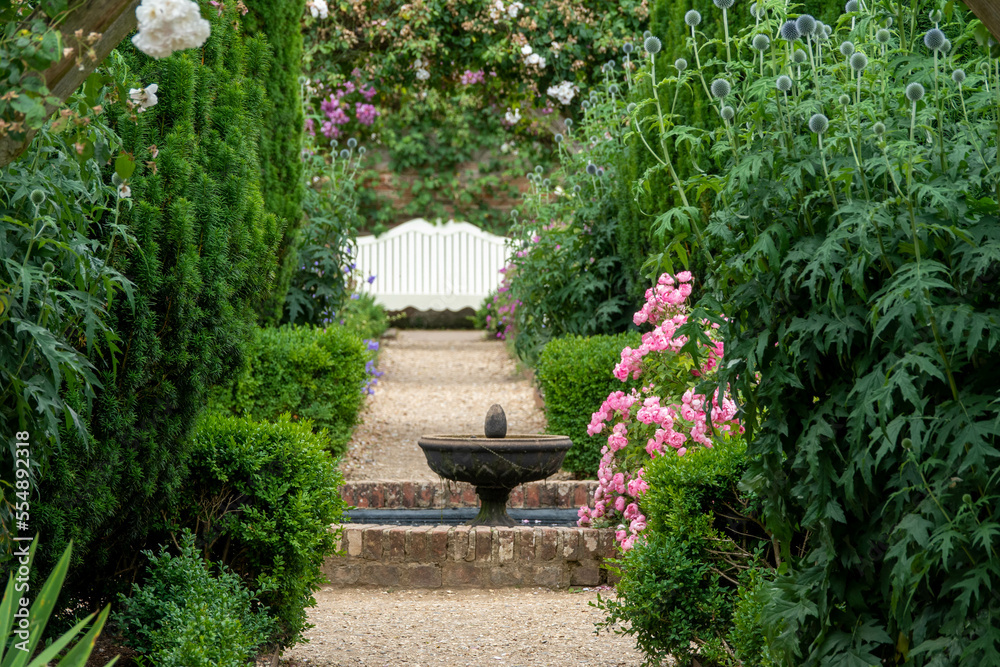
pixel 496 422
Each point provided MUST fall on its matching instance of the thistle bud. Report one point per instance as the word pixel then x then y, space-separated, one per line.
pixel 852 6
pixel 538 169
pixel 647 34
pixel 652 45
pixel 723 4
pixel 934 39
pixel 727 113
pixel 720 88
pixel 878 128
pixel 799 56
pixel 692 18
pixel 935 16
pixel 592 169
pixel 513 213
pixel 844 100
pixel 789 31
pixel 352 143
pixel 756 11
pixel 883 36
pixel 585 105
pixel 859 61
pixel 613 89
pixel 761 42
pixel 38 196
pixel 568 122
pixel 681 64
pixel 806 25
pixel 558 138
pixel 630 108
pixel 48 268
pixel 628 48
pixel 362 150
pixel 546 183
pixel 819 123
pixel 784 83
pixel 846 48
pixel 958 76
pixel 914 92
pixel 344 154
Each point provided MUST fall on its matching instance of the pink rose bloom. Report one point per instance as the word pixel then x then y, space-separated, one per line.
pixel 684 277
pixel 620 503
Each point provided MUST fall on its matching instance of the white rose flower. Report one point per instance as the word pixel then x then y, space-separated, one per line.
pixel 418 63
pixel 512 116
pixel 514 8
pixel 563 92
pixel 423 74
pixel 531 59
pixel 318 8
pixel 526 50
pixel 144 97
pixel 166 26
pixel 541 62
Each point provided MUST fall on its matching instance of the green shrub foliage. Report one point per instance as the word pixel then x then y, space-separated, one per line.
pixel 309 372
pixel 262 497
pixel 574 376
pixel 853 239
pixel 186 615
pixel 697 564
pixel 204 260
pixel 279 23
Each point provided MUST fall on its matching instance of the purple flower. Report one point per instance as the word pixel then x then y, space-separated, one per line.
pixel 366 113
pixel 371 279
pixel 355 296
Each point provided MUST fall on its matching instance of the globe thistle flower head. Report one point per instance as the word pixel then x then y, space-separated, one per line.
pixel 334 143
pixel 756 11
pixel 799 56
pixel 538 169
pixel 568 122
pixel 946 47
pixel 558 138
pixel 784 83
pixel 600 172
pixel 49 268
pixel 727 113
pixel 628 48
pixel 352 143
pixel 846 48
pixel 888 21
pixel 577 188
pixel 819 123
pixel 723 4
pixel 593 96
pixel 878 128
pixel 859 61
pixel 720 88
pixel 934 39
pixel 652 45
pixel 852 6
pixel 828 29
pixel 761 42
pixel 935 16
pixel 592 169
pixel 116 180
pixel 630 108
pixel 613 89
pixel 914 92
pixel 692 18
pixel 844 100
pixel 38 196
pixel 821 34
pixel 681 64
pixel 546 183
pixel 362 150
pixel 806 25
pixel 513 213
pixel 585 105
pixel 789 31
pixel 958 76
pixel 344 154
pixel 647 34
pixel 883 36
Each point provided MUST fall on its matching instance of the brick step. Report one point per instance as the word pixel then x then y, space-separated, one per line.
pixel 471 557
pixel 404 494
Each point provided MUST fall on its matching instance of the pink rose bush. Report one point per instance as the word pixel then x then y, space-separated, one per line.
pixel 665 416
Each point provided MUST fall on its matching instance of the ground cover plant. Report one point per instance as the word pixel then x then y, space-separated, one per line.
pixel 850 241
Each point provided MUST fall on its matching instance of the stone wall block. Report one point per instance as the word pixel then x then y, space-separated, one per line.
pixel 570 543
pixel 438 542
pixel 418 544
pixel 372 543
pixel 586 573
pixel 546 543
pixel 504 537
pixel 525 538
pixel 424 576
pixel 484 544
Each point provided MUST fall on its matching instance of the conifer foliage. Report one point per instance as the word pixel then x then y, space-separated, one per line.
pixel 203 263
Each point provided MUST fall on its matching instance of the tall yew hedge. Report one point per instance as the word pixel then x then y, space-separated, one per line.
pixel 203 265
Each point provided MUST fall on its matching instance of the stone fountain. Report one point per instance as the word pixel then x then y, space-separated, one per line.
pixel 495 463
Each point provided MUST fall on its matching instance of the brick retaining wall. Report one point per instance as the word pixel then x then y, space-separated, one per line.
pixel 470 557
pixel 397 494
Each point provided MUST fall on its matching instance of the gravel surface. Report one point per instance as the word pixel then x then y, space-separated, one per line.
pixel 435 382
pixel 440 628
pixel 444 382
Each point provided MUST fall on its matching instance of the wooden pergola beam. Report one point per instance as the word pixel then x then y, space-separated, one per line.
pixel 113 20
pixel 987 11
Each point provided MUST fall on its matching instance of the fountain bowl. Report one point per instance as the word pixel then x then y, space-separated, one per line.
pixel 494 466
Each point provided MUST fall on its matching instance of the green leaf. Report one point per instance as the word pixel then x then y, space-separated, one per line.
pixel 124 166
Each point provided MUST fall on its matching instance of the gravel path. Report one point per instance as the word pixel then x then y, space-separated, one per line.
pixel 444 382
pixel 435 382
pixel 503 628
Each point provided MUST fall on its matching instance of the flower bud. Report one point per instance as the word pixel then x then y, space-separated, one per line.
pixel 846 48
pixel 723 4
pixel 692 18
pixel 756 11
pixel 761 42
pixel 878 128
pixel 789 31
pixel 806 25
pixel 819 123
pixel 568 122
pixel 630 108
pixel 720 88
pixel 966 498
pixel 48 268
pixel 558 138
pixel 592 169
pixel 852 6
pixel 628 48
pixel 538 169
pixel 681 64
pixel 652 45
pixel 38 196
pixel 784 83
pixel 344 154
pixel 958 76
pixel 859 61
pixel 934 39
pixel 883 36
pixel 844 100
pixel 934 15
pixel 799 56
pixel 914 92
pixel 352 143
pixel 727 113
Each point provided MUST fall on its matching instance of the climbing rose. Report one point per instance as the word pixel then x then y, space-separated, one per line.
pixel 318 8
pixel 166 26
